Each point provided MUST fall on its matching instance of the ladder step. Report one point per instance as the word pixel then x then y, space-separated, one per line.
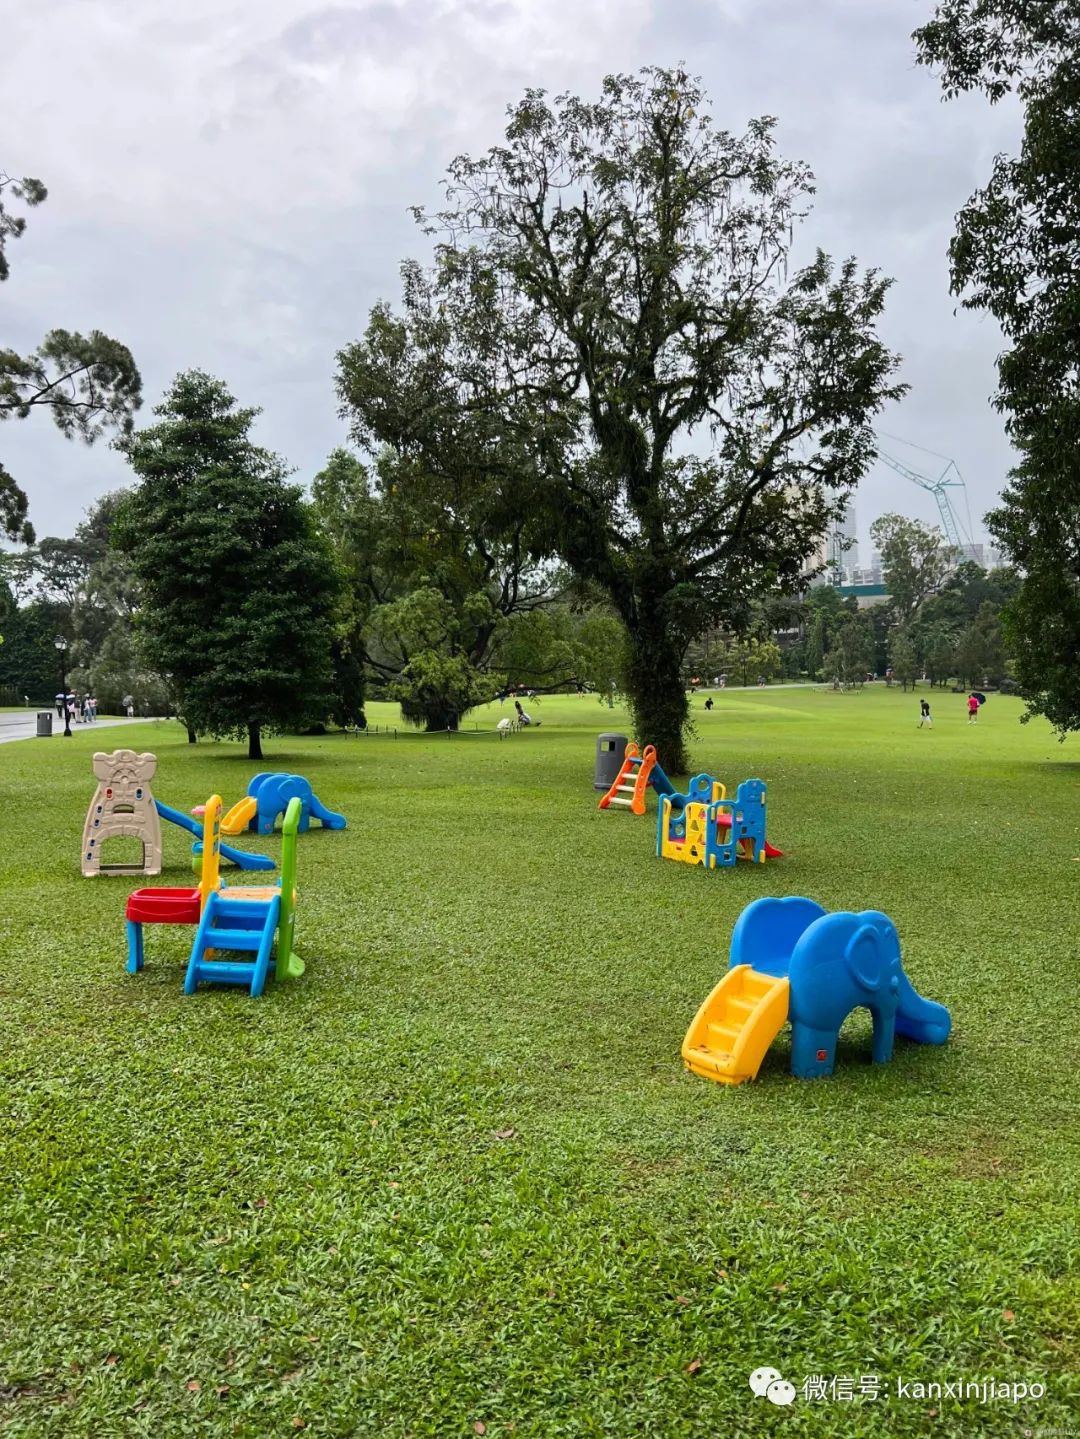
pixel 233 938
pixel 624 802
pixel 224 971
pixel 630 787
pixel 249 910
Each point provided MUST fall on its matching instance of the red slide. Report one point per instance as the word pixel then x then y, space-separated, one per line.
pixel 771 852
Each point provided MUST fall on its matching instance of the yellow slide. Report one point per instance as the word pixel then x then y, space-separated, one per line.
pixel 236 821
pixel 735 1026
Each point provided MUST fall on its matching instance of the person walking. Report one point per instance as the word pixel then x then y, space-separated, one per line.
pixel 924 715
pixel 973 709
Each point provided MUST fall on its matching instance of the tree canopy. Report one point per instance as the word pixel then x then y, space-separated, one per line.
pixel 609 339
pixel 1014 255
pixel 914 560
pixel 441 577
pixel 849 657
pixel 238 588
pixel 88 383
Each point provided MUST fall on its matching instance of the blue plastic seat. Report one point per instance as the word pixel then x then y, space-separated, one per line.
pixel 767 931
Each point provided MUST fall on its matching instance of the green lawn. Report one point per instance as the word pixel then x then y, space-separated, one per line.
pixel 455 1180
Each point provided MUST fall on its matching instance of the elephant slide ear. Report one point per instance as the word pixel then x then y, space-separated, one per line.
pixel 864 957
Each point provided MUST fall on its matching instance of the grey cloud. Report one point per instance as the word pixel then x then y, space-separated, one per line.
pixel 340 29
pixel 229 184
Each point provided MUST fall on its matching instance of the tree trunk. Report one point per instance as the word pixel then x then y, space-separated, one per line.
pixel 254 742
pixel 657 697
pixel 440 720
pixel 192 737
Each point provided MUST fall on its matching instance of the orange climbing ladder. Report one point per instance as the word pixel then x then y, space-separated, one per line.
pixel 735 1026
pixel 628 791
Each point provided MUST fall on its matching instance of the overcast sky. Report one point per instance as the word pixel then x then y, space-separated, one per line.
pixel 228 183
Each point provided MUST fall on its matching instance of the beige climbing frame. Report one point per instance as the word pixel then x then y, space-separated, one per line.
pixel 122 808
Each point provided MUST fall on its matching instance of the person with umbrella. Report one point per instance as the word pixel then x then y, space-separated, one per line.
pixel 974 701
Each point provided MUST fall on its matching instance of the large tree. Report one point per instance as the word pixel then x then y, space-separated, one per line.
pixel 94 588
pixel 88 593
pixel 441 577
pixel 88 383
pixel 980 652
pixel 939 653
pixel 904 657
pixel 914 559
pixel 1014 254
pixel 29 663
pixel 238 587
pixel 851 651
pixel 826 611
pixel 610 330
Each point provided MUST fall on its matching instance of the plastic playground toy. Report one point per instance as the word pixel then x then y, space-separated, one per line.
pixel 791 960
pixel 123 806
pixel 704 827
pixel 240 857
pixel 639 771
pixel 268 797
pixel 236 919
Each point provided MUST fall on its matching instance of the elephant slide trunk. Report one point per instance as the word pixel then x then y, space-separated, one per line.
pixel 921 1019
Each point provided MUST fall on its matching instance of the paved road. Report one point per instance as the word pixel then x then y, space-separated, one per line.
pixel 24 726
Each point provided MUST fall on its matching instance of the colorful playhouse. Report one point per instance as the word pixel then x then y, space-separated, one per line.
pixel 704 827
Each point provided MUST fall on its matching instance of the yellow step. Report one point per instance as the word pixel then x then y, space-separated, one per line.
pixel 723 1031
pixel 735 1025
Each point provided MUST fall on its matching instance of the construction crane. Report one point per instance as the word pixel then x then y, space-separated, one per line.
pixel 956 533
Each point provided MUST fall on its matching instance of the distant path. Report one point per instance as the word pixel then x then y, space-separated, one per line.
pixel 24 726
pixel 762 689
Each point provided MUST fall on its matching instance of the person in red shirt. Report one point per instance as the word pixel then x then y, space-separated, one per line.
pixel 973 709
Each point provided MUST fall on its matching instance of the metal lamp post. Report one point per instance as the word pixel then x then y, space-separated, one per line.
pixel 61 649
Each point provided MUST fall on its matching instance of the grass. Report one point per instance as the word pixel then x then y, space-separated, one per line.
pixel 455 1179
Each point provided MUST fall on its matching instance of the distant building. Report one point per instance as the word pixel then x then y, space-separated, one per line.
pixel 871 574
pixel 841 543
pixel 837 554
pixel 865 595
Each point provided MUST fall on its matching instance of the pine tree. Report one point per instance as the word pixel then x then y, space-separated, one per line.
pixel 238 586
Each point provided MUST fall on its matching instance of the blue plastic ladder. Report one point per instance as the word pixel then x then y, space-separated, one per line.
pixel 238 926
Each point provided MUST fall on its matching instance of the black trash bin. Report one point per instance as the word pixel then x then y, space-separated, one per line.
pixel 44 724
pixel 610 753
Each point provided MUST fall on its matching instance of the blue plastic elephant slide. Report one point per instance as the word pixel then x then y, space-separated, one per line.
pixel 791 960
pixel 267 798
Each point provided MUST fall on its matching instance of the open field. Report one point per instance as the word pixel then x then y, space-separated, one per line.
pixel 455 1180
